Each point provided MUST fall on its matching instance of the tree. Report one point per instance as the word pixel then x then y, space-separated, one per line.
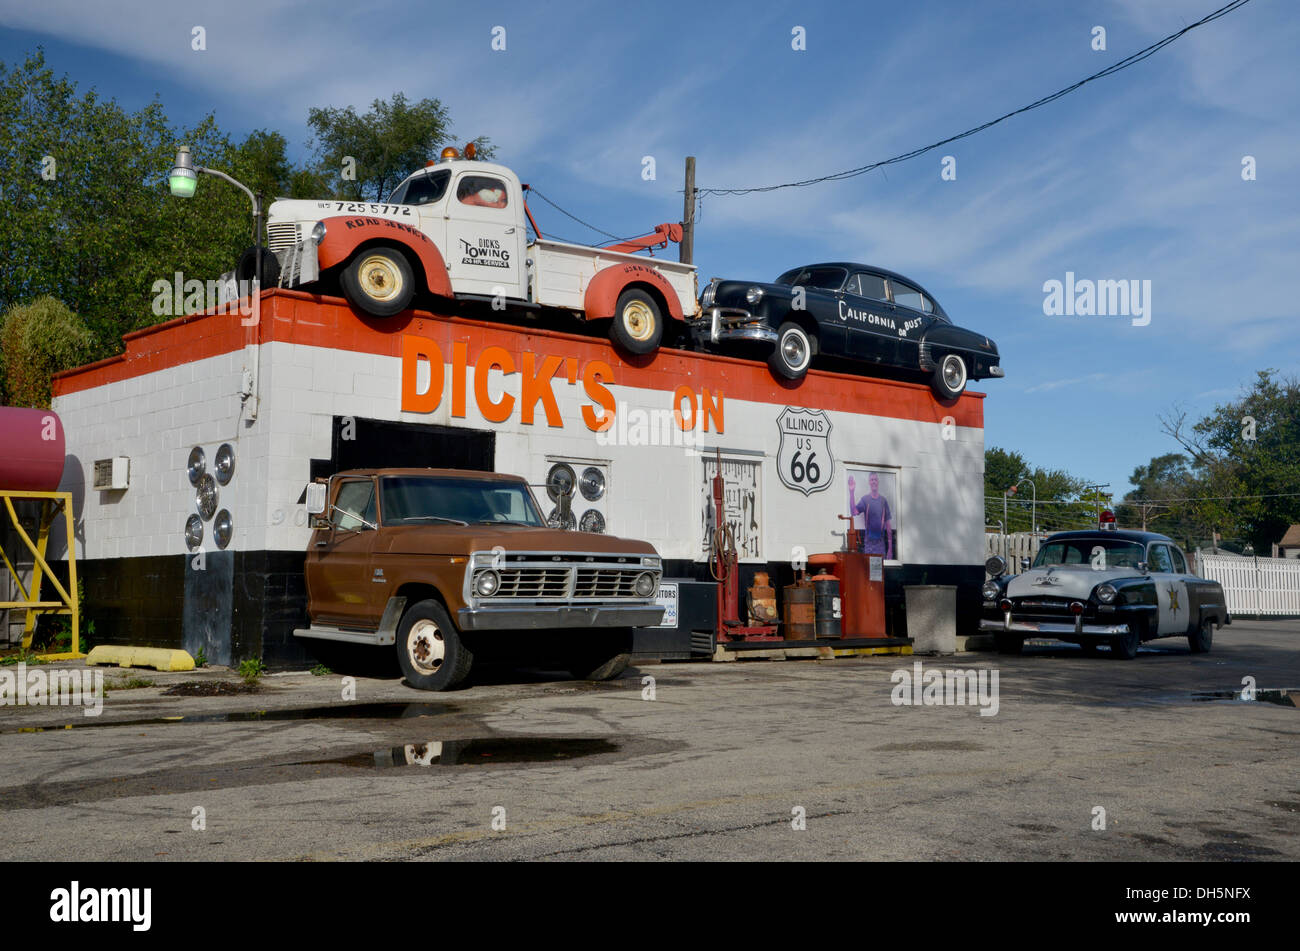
pixel 1247 457
pixel 1004 468
pixel 38 340
pixel 381 147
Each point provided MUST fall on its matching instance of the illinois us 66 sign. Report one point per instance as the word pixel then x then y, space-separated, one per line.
pixel 804 460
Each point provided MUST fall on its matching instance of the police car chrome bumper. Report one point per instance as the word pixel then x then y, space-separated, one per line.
pixel 1051 628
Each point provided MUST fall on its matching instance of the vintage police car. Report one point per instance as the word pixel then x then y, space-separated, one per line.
pixel 1119 588
pixel 852 311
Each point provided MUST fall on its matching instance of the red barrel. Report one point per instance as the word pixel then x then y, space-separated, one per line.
pixel 31 449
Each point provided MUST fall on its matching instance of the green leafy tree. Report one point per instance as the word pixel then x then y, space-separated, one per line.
pixel 1004 468
pixel 1247 457
pixel 381 147
pixel 38 340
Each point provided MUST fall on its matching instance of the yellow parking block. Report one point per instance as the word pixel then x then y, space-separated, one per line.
pixel 159 658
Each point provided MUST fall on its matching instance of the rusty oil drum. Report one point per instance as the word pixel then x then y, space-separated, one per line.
pixel 800 612
pixel 826 600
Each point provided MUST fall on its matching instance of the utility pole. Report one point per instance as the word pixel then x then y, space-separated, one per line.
pixel 687 249
pixel 1098 496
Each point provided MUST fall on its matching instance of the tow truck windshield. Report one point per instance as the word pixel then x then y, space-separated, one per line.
pixel 410 499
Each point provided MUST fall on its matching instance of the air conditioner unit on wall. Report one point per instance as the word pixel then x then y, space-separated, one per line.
pixel 113 473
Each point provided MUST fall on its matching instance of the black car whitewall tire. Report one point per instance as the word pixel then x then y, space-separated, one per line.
pixel 793 352
pixel 1008 643
pixel 429 648
pixel 378 281
pixel 949 378
pixel 1203 639
pixel 638 323
pixel 1125 646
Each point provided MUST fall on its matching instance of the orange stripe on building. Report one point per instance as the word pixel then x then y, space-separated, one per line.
pixel 298 318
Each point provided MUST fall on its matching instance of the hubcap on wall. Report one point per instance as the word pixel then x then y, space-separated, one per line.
pixel 379 278
pixel 425 647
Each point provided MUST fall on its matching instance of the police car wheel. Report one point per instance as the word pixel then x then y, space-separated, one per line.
pixel 378 281
pixel 638 324
pixel 1125 646
pixel 429 648
pixel 793 352
pixel 1203 639
pixel 949 377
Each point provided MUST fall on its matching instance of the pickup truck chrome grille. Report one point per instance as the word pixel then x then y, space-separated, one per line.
pixel 281 237
pixel 541 576
pixel 606 582
pixel 533 583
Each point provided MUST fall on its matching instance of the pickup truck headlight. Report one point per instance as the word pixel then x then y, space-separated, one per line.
pixel 991 590
pixel 644 584
pixel 486 583
pixel 650 561
pixel 754 295
pixel 318 232
pixel 1106 593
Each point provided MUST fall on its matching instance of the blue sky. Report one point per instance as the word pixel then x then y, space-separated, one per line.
pixel 1135 177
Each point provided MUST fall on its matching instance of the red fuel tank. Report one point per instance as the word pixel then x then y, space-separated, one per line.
pixel 31 449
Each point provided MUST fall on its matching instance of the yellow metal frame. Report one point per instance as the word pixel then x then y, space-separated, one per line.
pixel 52 504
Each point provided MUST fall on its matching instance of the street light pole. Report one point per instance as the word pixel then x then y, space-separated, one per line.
pixel 183 181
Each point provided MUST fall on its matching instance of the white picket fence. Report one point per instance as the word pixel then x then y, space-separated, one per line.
pixel 1012 547
pixel 1255 586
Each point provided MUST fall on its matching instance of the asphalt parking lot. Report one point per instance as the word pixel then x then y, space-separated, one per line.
pixel 756 759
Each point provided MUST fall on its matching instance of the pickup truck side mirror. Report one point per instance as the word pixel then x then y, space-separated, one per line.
pixel 316 498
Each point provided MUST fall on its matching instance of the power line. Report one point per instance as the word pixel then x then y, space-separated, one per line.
pixel 612 237
pixel 1125 63
pixel 1205 498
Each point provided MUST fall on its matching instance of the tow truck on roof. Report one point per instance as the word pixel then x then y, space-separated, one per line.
pixel 457 229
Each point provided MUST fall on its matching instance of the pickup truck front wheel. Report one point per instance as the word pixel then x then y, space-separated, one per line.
pixel 378 281
pixel 638 323
pixel 429 648
pixel 604 659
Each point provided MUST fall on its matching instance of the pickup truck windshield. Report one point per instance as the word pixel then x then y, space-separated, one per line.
pixel 1078 551
pixel 410 499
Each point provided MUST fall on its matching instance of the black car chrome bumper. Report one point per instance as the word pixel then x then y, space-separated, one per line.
pixel 527 617
pixel 719 324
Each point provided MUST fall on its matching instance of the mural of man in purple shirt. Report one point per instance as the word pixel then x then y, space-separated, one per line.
pixel 877 527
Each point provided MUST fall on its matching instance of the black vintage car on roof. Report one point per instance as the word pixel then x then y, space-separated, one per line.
pixel 852 311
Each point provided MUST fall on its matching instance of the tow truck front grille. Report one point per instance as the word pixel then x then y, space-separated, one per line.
pixel 281 237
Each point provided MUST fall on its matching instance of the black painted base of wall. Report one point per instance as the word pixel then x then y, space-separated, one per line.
pixel 247 604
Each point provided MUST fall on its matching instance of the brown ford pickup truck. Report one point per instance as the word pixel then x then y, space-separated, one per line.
pixel 450 565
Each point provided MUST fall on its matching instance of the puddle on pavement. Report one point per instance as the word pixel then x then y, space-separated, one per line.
pixel 340 711
pixel 1286 697
pixel 479 752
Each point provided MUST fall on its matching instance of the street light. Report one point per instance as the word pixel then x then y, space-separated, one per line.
pixel 1033 516
pixel 183 180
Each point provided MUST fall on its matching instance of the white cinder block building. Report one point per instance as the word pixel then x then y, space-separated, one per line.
pixel 311 387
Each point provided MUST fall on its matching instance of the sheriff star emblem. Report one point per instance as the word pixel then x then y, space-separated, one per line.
pixel 1173 599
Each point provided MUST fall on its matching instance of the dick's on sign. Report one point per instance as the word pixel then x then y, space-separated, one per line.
pixel 804 459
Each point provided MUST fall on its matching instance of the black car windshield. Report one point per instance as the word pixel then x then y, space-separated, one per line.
pixel 435 498
pixel 1078 551
pixel 824 278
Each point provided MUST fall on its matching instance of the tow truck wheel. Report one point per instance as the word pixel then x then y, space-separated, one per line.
pixel 949 379
pixel 429 648
pixel 792 353
pixel 246 269
pixel 638 325
pixel 1203 639
pixel 1009 643
pixel 378 281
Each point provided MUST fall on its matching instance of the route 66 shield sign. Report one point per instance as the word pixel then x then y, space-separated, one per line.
pixel 804 460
